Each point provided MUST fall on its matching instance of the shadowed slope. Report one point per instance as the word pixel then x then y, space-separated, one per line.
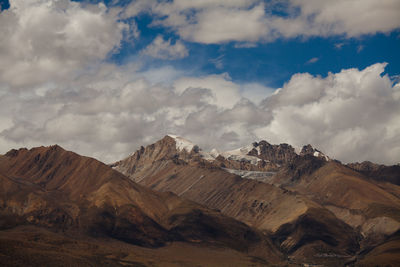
pixel 51 187
pixel 284 214
pixel 33 246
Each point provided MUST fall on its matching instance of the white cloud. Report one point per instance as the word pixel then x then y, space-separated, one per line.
pixel 351 115
pixel 351 18
pixel 224 93
pixel 162 49
pixel 45 40
pixel 327 18
pixel 251 21
pixel 255 92
pixel 218 25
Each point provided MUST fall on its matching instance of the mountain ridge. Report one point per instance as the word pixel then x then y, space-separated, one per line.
pixel 61 190
pixel 297 188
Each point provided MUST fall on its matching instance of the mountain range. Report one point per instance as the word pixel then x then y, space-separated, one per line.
pixel 173 204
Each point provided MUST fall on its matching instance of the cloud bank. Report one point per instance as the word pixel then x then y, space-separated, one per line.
pixel 56 85
pixel 352 115
pixel 44 41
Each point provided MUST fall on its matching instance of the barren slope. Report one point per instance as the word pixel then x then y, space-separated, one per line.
pixel 293 220
pixel 60 190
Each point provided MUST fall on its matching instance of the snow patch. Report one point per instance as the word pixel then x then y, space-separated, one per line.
pixel 241 154
pixel 182 143
pixel 210 156
pixel 319 154
pixel 258 150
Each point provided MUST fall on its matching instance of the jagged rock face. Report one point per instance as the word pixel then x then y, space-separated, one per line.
pixel 300 167
pixel 380 173
pixel 243 164
pixel 278 154
pixel 163 150
pixel 307 150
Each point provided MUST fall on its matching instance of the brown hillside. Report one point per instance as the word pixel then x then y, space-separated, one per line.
pixel 58 189
pixel 286 215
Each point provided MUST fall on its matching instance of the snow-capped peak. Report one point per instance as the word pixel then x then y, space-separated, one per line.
pixel 182 143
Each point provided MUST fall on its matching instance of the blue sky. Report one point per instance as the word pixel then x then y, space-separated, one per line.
pixel 272 63
pixel 104 77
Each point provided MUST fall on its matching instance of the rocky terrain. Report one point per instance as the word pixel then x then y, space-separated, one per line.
pixel 67 199
pixel 173 204
pixel 315 209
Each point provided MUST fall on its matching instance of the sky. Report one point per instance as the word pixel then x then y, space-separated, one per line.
pixel 102 78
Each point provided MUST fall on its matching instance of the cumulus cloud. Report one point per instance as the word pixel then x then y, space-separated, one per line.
pixel 45 40
pixel 249 21
pixel 221 24
pixel 163 49
pixel 351 18
pixel 350 115
pixel 112 113
pixel 224 93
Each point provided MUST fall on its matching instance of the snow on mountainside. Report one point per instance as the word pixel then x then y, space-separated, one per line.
pixel 253 154
pixel 241 154
pixel 237 154
pixel 182 143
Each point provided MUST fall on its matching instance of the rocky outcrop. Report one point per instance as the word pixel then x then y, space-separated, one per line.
pixel 278 154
